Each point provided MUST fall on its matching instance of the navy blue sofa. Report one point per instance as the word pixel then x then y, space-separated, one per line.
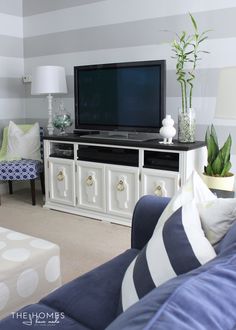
pixel 204 298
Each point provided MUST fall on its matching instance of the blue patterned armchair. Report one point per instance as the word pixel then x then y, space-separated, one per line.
pixel 23 169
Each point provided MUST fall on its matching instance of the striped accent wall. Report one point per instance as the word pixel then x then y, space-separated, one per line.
pixel 12 90
pixel 75 32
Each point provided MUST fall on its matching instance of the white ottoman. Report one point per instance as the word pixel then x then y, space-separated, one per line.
pixel 29 270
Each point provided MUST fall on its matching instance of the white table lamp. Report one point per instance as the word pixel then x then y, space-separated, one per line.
pixel 226 94
pixel 49 80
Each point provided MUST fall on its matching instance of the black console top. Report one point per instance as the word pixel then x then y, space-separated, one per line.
pixel 153 143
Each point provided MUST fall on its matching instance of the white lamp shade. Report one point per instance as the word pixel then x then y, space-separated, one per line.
pixel 48 79
pixel 226 96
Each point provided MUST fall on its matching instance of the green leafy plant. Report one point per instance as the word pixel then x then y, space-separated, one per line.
pixel 187 54
pixel 218 159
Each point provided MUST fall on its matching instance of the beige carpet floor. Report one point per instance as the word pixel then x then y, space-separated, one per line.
pixel 85 243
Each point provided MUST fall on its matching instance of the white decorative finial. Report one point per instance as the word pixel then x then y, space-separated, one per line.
pixel 167 131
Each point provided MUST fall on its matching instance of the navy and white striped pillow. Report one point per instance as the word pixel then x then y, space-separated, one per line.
pixel 175 248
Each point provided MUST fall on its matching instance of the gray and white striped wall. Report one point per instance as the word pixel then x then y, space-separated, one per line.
pixel 74 32
pixel 12 91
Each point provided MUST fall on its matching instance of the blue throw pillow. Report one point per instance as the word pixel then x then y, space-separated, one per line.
pixel 175 248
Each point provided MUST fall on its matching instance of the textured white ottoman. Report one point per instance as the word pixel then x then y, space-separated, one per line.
pixel 29 269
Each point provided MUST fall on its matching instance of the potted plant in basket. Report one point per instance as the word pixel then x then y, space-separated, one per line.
pixel 187 54
pixel 217 173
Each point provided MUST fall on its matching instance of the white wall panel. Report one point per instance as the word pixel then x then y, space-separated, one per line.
pixel 12 108
pixel 11 67
pixel 11 25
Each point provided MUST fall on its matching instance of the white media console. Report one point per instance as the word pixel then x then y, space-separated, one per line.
pixel 103 179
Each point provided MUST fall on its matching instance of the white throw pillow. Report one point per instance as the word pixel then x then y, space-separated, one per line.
pixel 217 216
pixel 178 244
pixel 175 248
pixel 23 145
pixel 194 189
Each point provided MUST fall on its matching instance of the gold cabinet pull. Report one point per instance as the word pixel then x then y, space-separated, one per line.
pixel 60 176
pixel 89 181
pixel 158 191
pixel 120 186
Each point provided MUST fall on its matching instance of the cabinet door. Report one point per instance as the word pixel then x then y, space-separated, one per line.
pixel 91 186
pixel 62 181
pixel 160 183
pixel 122 189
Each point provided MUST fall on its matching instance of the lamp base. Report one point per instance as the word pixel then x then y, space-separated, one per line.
pixel 50 127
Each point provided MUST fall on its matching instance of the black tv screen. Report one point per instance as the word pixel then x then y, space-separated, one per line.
pixel 121 96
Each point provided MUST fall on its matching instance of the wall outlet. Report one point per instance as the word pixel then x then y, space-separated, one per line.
pixel 27 79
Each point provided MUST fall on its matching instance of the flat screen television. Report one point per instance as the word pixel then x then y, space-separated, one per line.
pixel 120 97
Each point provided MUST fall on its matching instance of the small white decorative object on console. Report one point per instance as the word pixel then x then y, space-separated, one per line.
pixel 167 131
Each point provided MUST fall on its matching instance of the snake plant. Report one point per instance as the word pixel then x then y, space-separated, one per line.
pixel 218 159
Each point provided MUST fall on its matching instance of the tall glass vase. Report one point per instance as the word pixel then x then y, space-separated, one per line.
pixel 186 126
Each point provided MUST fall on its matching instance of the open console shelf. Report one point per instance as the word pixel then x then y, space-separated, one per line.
pixel 160 160
pixel 109 155
pixel 62 150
